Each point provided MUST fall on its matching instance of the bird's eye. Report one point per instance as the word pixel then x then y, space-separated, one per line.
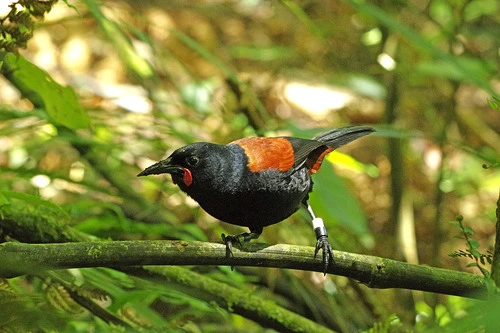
pixel 192 160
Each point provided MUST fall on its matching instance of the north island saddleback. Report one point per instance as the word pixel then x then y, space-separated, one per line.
pixel 256 182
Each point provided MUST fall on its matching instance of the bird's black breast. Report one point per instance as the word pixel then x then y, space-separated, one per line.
pixel 234 194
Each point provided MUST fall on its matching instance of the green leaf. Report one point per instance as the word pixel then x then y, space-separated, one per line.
pixel 443 68
pixel 202 51
pixel 61 103
pixel 466 69
pixel 35 201
pixel 332 200
pixel 474 244
pixel 352 164
pixel 303 17
pixel 72 7
pixel 41 209
pixel 3 200
pixel 494 103
pixel 468 230
pixel 475 252
pixel 12 114
pixel 122 43
pixel 262 53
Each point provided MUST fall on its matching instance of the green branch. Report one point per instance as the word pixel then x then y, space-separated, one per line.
pixel 375 272
pixel 495 266
pixel 262 311
pixel 30 219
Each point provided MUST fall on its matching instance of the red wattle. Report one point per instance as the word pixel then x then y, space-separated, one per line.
pixel 187 178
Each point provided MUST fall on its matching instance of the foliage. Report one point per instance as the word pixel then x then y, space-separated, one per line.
pixel 472 251
pixel 16 28
pixel 99 93
pixel 60 103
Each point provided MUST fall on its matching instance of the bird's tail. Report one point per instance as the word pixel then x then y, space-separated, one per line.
pixel 343 135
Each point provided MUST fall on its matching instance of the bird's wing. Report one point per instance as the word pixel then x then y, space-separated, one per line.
pixel 267 153
pixel 338 137
pixel 288 154
pixel 309 153
pixel 312 152
pixel 285 154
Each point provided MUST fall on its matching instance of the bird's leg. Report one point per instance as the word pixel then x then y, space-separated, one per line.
pixel 322 239
pixel 247 236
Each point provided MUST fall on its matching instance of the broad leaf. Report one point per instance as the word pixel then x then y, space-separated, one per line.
pixel 61 103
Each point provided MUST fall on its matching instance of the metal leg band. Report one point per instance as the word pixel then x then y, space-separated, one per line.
pixel 320 231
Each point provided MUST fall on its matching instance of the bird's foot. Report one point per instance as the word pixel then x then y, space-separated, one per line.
pixel 322 240
pixel 323 244
pixel 229 240
pixel 236 239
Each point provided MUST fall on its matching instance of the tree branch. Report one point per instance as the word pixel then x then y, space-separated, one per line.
pixel 495 265
pixel 18 258
pixel 375 272
pixel 254 307
pixel 30 219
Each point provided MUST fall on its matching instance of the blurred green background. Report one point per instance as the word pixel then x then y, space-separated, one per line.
pixel 151 76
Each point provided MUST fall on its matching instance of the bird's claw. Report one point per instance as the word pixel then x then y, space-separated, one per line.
pixel 229 240
pixel 324 245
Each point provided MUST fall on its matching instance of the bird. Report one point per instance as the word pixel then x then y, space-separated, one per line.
pixel 257 181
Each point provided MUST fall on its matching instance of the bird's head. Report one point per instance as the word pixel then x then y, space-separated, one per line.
pixel 186 164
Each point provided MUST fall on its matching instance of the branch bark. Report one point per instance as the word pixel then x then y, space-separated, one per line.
pixel 375 272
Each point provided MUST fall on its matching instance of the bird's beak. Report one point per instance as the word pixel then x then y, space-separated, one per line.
pixel 164 166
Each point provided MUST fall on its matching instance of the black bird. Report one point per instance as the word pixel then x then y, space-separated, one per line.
pixel 256 182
